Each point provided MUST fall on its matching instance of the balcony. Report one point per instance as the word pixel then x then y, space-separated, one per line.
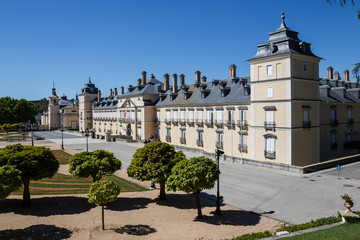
pixel 241 123
pixel 307 124
pixel 182 140
pixel 350 121
pixel 230 123
pixel 269 125
pixel 333 145
pixel 168 138
pixel 219 145
pixel 208 122
pixel 190 121
pixel 174 121
pixel 219 123
pixel 138 120
pixel 242 147
pixel 182 122
pixel 334 122
pixel 167 121
pixel 199 122
pixel 200 143
pixel 269 154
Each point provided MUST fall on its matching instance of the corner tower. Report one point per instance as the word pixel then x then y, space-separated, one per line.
pixel 53 110
pixel 285 100
pixel 87 96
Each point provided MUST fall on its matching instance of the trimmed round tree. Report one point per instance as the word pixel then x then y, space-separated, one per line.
pixel 94 164
pixel 33 162
pixel 154 162
pixel 192 176
pixel 102 192
pixel 10 179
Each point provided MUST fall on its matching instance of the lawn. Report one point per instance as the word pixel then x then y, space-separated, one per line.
pixel 62 156
pixel 68 184
pixel 344 231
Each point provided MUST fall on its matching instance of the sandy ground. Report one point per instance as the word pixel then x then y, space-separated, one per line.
pixel 135 215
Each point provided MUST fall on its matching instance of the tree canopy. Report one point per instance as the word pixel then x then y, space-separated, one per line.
pixel 154 162
pixel 343 2
pixel 16 111
pixel 10 180
pixel 192 176
pixel 356 71
pixel 94 164
pixel 103 192
pixel 33 162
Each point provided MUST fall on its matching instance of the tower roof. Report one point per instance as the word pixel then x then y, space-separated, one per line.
pixel 90 88
pixel 283 40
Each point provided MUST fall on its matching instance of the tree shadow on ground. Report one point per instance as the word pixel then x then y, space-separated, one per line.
pixel 38 232
pixel 128 204
pixel 137 230
pixel 47 206
pixel 232 217
pixel 185 201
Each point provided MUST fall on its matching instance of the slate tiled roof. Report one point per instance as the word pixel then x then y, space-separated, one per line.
pixel 332 90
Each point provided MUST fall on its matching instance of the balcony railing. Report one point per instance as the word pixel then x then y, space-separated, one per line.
pixel 174 121
pixel 199 122
pixel 242 147
pixel 168 138
pixel 208 122
pixel 241 123
pixel 219 123
pixel 199 142
pixel 307 124
pixel 269 154
pixel 182 140
pixel 334 122
pixel 182 122
pixel 269 125
pixel 167 121
pixel 333 146
pixel 219 144
pixel 230 123
pixel 190 121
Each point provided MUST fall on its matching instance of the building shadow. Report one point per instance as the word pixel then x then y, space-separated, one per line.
pixel 128 204
pixel 137 230
pixel 185 201
pixel 47 206
pixel 233 218
pixel 38 232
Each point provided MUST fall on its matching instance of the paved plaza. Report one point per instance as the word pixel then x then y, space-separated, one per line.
pixel 292 198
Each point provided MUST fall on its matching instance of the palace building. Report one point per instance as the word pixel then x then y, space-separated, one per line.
pixel 283 113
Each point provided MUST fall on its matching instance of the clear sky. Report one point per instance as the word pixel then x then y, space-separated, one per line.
pixel 113 41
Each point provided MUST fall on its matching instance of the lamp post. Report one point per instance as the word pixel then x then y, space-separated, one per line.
pixel 87 135
pixel 62 137
pixel 218 211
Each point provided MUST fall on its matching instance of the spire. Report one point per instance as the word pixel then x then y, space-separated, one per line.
pixel 283 25
pixel 53 92
pixel 89 80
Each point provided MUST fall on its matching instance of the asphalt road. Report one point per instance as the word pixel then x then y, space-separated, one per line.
pixel 280 195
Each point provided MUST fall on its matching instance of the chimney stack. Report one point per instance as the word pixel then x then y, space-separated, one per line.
pixel 197 77
pixel 111 92
pixel 143 79
pixel 174 90
pixel 99 95
pixel 337 77
pixel 182 80
pixel 166 82
pixel 122 90
pixel 203 79
pixel 346 75
pixel 232 71
pixel 139 82
pixel 115 92
pixel 330 72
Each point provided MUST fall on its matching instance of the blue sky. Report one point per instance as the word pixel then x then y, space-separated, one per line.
pixel 113 41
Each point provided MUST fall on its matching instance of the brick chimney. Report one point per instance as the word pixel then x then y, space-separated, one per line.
pixel 111 92
pixel 336 76
pixel 182 80
pixel 346 75
pixel 232 71
pixel 122 90
pixel 330 73
pixel 203 79
pixel 139 82
pixel 99 95
pixel 197 76
pixel 166 82
pixel 115 92
pixel 143 78
pixel 174 89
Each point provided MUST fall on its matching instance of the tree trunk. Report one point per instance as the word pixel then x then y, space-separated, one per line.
pixel 94 177
pixel 102 215
pixel 198 205
pixel 162 191
pixel 26 194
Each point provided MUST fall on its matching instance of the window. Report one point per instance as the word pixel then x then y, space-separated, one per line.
pixel 242 142
pixel 182 136
pixel 269 70
pixel 191 116
pixel 306 119
pixel 168 134
pixel 167 116
pixel 111 129
pixel 349 115
pixel 269 92
pixel 95 126
pixel 199 116
pixel 230 117
pixel 104 127
pixel 349 134
pixel 182 116
pixel 158 116
pixel 209 116
pixel 139 132
pixel 99 127
pixel 270 147
pixel 219 119
pixel 175 116
pixel 333 140
pixel 219 139
pixel 121 132
pixel 305 67
pixel 138 116
pixel 269 119
pixel 132 115
pixel 242 117
pixel 334 120
pixel 200 138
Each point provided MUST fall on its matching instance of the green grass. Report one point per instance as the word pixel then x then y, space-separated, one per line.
pixel 64 184
pixel 344 231
pixel 62 156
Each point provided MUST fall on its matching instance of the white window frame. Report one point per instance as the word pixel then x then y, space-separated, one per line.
pixel 269 92
pixel 269 70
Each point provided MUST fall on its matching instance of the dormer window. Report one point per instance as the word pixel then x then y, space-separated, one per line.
pixel 269 70
pixel 305 67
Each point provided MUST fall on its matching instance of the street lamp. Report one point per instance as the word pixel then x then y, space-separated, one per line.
pixel 62 137
pixel 87 136
pixel 218 211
